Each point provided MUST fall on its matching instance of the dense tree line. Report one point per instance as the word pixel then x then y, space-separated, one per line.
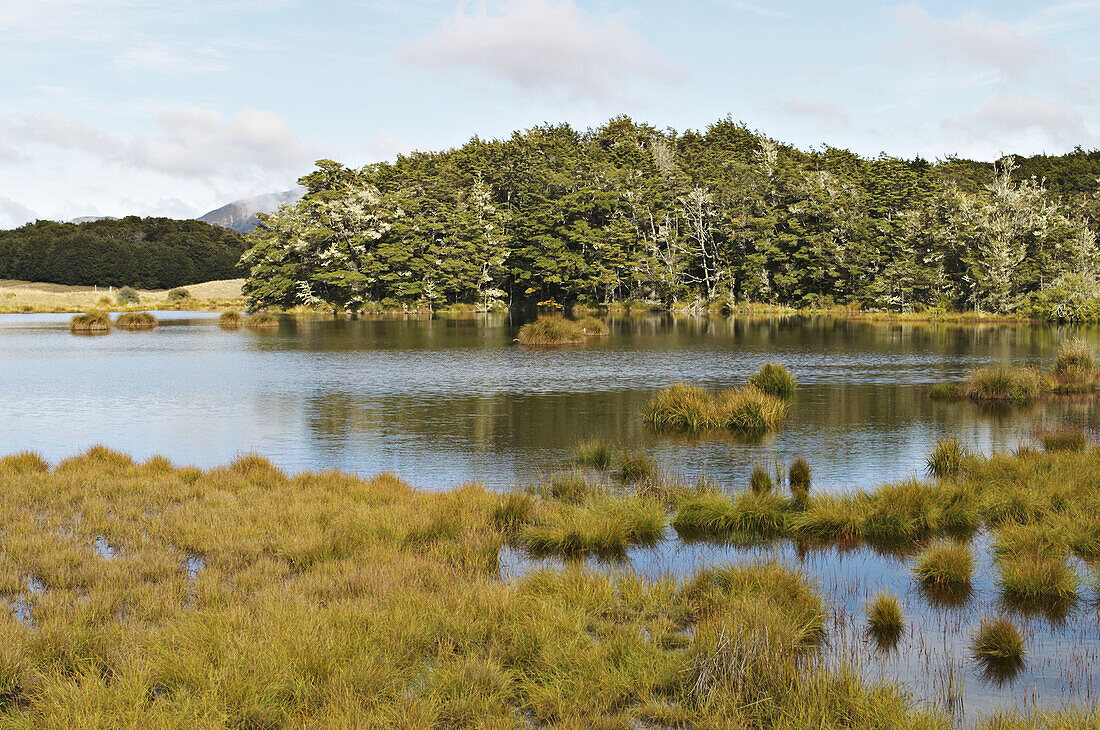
pixel 151 253
pixel 627 211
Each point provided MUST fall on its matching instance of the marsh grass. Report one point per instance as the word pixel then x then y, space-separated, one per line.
pixel 261 321
pixel 551 330
pixel 998 646
pixel 1003 383
pixel 885 621
pixel 945 566
pixel 134 321
pixel 761 481
pixel 1040 583
pixel 946 459
pixel 633 466
pixel 798 480
pixel 230 320
pixel 1075 360
pixel 595 453
pixel 593 327
pixel 774 379
pixel 692 409
pixel 91 323
pixel 1065 438
pixel 602 526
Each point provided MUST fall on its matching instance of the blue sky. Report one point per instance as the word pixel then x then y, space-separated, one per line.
pixel 111 107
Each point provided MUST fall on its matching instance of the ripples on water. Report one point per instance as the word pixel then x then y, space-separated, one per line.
pixel 443 401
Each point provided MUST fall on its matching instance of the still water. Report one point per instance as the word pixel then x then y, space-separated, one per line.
pixel 444 401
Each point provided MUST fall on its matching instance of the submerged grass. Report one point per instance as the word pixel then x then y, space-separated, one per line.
pixel 136 321
pixel 90 323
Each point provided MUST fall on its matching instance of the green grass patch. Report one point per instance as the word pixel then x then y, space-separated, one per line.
pixel 775 380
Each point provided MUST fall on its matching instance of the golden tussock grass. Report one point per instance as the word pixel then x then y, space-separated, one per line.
pixel 159 596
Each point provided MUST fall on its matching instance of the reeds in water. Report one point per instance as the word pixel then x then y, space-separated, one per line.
pixel 998 646
pixel 947 457
pixel 775 380
pixel 1003 383
pixel 230 320
pixel 1065 438
pixel 693 409
pixel 885 621
pixel 595 453
pixel 261 321
pixel 91 323
pixel 134 321
pixel 761 481
pixel 551 330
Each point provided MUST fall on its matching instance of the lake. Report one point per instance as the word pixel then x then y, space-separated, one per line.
pixel 448 400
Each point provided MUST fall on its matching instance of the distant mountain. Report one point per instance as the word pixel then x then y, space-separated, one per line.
pixel 93 218
pixel 240 215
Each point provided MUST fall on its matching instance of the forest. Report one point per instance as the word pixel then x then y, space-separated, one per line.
pixel 149 253
pixel 693 219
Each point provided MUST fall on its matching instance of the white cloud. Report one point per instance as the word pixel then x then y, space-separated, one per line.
pixel 13 214
pixel 754 8
pixel 190 142
pixel 162 57
pixel 544 46
pixel 814 109
pixel 974 39
pixel 384 146
pixel 1009 121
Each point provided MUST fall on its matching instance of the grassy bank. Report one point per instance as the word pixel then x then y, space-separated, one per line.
pixel 24 297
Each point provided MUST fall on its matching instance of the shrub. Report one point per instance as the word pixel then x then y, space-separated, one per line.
pixel 761 481
pixel 775 380
pixel 1003 383
pixel 127 295
pixel 945 565
pixel 261 321
pixel 177 294
pixel 593 327
pixel 551 330
pixel 947 458
pixel 884 619
pixel 1074 360
pixel 230 320
pixel 91 323
pixel 136 321
pixel 595 453
pixel 1063 439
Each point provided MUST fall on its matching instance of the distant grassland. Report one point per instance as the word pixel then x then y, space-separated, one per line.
pixel 37 297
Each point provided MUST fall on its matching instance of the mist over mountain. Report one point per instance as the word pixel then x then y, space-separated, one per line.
pixel 240 215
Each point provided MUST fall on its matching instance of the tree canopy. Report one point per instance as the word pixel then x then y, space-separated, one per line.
pixel 151 253
pixel 628 211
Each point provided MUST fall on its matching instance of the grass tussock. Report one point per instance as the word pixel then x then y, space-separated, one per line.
pixel 552 329
pixel 261 321
pixel 134 321
pixel 634 466
pixel 1065 438
pixel 945 565
pixel 1073 373
pixel 998 645
pixel 885 621
pixel 761 481
pixel 1038 582
pixel 687 408
pixel 1003 384
pixel 593 327
pixel 231 320
pixel 91 323
pixel 1075 360
pixel 595 453
pixel 775 380
pixel 947 458
pixel 798 479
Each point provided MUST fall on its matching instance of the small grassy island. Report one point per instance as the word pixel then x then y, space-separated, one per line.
pixel 553 329
pixel 758 408
pixel 1074 373
pixel 260 321
pixel 90 323
pixel 136 321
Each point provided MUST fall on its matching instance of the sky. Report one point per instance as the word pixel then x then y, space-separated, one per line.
pixel 175 107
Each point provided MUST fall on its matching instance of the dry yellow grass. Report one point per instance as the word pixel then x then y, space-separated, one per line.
pixel 27 297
